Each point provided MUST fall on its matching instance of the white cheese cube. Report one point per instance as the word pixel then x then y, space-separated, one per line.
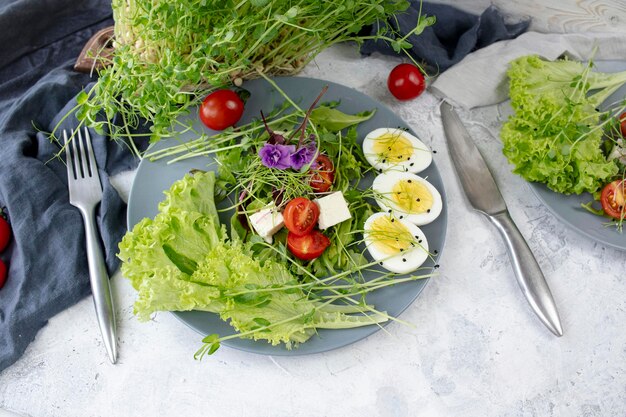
pixel 333 210
pixel 267 221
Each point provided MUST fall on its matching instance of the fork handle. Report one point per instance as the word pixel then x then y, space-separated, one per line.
pixel 100 285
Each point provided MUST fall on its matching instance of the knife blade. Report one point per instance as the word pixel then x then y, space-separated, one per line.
pixel 484 196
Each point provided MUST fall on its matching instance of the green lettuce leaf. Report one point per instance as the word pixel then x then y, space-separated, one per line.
pixel 182 260
pixel 336 120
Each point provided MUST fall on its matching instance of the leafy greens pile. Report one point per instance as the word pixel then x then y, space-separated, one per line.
pixel 169 54
pixel 183 260
pixel 556 133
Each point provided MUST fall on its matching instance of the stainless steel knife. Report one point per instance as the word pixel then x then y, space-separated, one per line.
pixel 484 196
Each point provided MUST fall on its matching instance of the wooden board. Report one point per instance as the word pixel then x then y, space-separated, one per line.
pixel 558 16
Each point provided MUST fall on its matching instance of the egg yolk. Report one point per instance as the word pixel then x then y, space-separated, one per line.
pixel 393 148
pixel 390 236
pixel 411 196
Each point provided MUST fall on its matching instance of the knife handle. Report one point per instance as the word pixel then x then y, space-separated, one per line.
pixel 528 273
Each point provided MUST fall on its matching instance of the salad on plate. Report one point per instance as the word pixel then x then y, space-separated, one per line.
pixel 318 219
pixel 563 132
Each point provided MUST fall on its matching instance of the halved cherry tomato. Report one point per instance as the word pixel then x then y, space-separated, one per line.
pixel 622 123
pixel 323 174
pixel 309 246
pixel 301 216
pixel 221 109
pixel 612 199
pixel 406 82
pixel 5 233
pixel 3 273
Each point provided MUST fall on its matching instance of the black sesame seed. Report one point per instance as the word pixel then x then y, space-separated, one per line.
pixel 419 241
pixel 403 260
pixel 401 217
pixel 436 251
pixel 380 263
pixel 434 151
pixel 411 164
pixel 392 220
pixel 389 211
pixel 436 266
pixel 416 237
pixel 401 250
pixel 410 181
pixel 383 161
pixel 399 156
pixel 389 148
pixel 428 211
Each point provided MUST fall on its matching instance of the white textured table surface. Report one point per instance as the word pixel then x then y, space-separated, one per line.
pixel 476 348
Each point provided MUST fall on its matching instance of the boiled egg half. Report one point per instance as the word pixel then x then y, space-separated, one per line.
pixel 407 196
pixel 395 149
pixel 399 246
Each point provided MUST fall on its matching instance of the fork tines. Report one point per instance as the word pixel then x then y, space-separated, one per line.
pixel 80 163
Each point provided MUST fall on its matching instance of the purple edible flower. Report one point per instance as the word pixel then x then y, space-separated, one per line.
pixel 276 156
pixel 303 156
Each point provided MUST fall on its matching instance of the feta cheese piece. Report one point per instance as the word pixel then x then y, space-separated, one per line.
pixel 267 221
pixel 333 210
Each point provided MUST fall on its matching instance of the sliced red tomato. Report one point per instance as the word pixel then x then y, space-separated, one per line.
pixel 622 124
pixel 323 175
pixel 3 273
pixel 221 109
pixel 301 216
pixel 612 199
pixel 5 233
pixel 309 246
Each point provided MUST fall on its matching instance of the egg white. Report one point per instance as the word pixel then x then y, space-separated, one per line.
pixel 404 262
pixel 383 186
pixel 419 161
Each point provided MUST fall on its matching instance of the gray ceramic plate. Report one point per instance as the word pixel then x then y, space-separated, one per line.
pixel 154 177
pixel 568 209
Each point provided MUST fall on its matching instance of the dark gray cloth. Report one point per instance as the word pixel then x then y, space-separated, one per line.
pixel 39 42
pixel 455 34
pixel 46 258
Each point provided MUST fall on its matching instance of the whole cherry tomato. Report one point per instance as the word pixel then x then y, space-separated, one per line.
pixel 406 82
pixel 5 233
pixel 221 109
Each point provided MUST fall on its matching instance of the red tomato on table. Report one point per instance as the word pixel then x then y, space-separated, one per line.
pixel 406 82
pixel 5 233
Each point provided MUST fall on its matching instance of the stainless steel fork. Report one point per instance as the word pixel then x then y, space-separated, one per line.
pixel 85 194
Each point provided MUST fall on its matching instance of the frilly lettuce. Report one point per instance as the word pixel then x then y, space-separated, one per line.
pixel 182 260
pixel 556 131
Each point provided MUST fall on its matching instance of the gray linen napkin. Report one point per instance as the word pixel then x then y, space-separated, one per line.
pixel 480 78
